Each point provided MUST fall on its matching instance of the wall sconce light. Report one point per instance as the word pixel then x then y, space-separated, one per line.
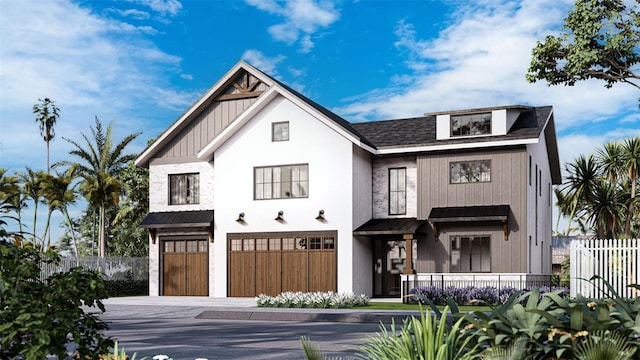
pixel 320 216
pixel 240 218
pixel 279 217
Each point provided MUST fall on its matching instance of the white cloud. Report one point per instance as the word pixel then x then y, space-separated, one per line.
pixel 481 59
pixel 134 14
pixel 164 7
pixel 89 65
pixel 262 62
pixel 186 76
pixel 301 19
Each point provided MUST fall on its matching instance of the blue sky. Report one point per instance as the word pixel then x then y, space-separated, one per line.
pixel 142 63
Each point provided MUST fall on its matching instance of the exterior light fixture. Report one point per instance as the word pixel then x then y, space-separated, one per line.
pixel 240 218
pixel 279 217
pixel 320 216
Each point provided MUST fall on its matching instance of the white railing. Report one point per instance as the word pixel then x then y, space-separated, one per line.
pixel 613 260
pixel 112 268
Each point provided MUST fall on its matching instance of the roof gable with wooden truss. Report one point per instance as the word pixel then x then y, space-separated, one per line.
pixel 241 93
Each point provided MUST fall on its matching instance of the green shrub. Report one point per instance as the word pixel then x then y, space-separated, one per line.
pixel 41 317
pixel 116 288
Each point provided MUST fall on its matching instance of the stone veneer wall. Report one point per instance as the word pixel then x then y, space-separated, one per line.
pixel 381 185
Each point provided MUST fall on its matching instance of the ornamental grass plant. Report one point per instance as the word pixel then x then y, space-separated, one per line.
pixel 312 300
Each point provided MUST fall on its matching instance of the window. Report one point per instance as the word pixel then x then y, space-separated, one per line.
pixel 398 191
pixel 281 182
pixel 470 254
pixel 470 171
pixel 184 189
pixel 280 131
pixel 530 170
pixel 475 124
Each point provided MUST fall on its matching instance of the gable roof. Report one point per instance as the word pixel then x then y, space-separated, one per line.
pixel 275 88
pixel 395 136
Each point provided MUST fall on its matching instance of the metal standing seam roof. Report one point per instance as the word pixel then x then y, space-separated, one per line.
pixel 469 213
pixel 178 219
pixel 394 226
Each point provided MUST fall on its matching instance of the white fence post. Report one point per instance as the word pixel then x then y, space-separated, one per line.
pixel 614 260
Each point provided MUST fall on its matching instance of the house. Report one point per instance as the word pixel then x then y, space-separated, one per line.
pixel 258 189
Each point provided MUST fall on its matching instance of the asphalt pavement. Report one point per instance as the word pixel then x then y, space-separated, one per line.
pixel 235 328
pixel 167 307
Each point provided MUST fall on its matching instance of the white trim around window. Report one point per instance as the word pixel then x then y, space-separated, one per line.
pixel 281 182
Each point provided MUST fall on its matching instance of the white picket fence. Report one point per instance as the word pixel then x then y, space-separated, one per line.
pixel 614 260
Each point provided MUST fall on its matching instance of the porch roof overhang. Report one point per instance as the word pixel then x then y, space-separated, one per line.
pixel 178 219
pixel 499 213
pixel 469 213
pixel 394 226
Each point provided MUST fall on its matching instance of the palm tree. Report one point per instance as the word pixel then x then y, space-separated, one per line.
pixel 31 189
pixel 60 193
pixel 101 163
pixel 583 173
pixel 563 205
pixel 47 114
pixel 611 161
pixel 631 157
pixel 605 210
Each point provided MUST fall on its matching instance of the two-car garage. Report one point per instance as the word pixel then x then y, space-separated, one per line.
pixel 257 263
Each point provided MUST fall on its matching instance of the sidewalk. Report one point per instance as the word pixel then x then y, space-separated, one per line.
pixel 237 309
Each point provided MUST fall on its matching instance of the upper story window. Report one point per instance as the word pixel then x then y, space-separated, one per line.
pixel 475 124
pixel 281 182
pixel 280 131
pixel 470 171
pixel 397 191
pixel 184 189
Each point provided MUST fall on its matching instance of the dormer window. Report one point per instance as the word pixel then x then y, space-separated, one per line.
pixel 280 131
pixel 469 125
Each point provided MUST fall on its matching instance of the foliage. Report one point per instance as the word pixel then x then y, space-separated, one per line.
pixel 101 163
pixel 426 338
pixel 126 237
pixel 599 40
pixel 312 300
pixel 604 345
pixel 553 327
pixel 471 295
pixel 600 190
pixel 47 113
pixel 41 317
pixel 129 287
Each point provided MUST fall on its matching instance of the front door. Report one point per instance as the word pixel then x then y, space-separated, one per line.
pixel 389 262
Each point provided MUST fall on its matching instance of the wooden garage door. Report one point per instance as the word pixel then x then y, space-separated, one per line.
pixel 184 268
pixel 274 264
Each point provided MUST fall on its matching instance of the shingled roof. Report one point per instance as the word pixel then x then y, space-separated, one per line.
pixel 421 131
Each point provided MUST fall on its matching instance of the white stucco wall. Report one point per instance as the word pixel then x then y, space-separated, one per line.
pixel 330 160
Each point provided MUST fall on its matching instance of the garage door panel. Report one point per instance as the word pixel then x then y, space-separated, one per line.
pixel 322 276
pixel 296 265
pixel 268 273
pixel 243 270
pixel 173 275
pixel 196 266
